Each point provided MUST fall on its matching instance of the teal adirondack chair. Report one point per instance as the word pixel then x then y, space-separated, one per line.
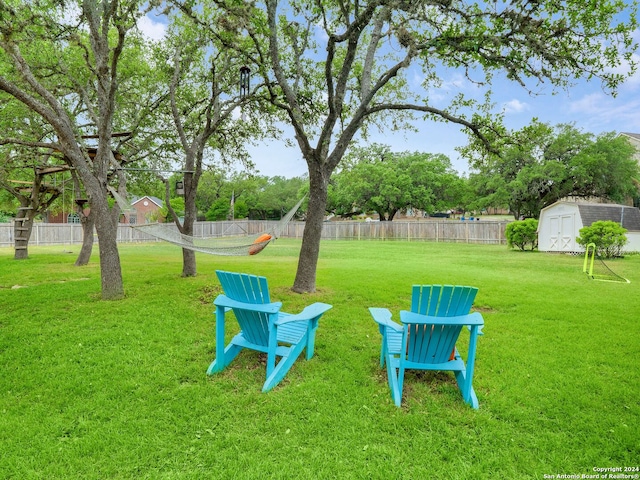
pixel 263 327
pixel 427 337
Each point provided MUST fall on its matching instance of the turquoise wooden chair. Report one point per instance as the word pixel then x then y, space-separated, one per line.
pixel 263 327
pixel 427 338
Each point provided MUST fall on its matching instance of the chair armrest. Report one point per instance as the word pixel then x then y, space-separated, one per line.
pixel 309 313
pixel 225 310
pixel 472 319
pixel 224 301
pixel 480 332
pixel 383 317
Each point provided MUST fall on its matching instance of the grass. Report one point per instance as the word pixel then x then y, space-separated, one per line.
pixel 93 389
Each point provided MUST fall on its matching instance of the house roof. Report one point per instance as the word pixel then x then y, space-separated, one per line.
pixel 628 217
pixel 155 200
pixel 631 135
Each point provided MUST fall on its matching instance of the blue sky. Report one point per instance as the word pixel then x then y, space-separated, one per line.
pixel 585 105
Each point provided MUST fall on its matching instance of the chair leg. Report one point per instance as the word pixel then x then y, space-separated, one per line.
pixel 383 350
pixel 283 366
pixel 466 377
pixel 395 384
pixel 466 389
pixel 219 364
pixel 311 340
pixel 271 352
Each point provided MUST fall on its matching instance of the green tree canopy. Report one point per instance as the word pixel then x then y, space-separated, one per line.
pixel 376 179
pixel 542 164
pixel 256 197
pixel 277 197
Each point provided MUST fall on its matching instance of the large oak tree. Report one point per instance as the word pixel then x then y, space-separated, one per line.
pixel 205 101
pixel 337 69
pixel 55 55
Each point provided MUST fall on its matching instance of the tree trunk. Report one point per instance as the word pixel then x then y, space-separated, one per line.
pixel 188 263
pixel 188 256
pixel 110 271
pixel 190 214
pixel 88 223
pixel 22 226
pixel 305 280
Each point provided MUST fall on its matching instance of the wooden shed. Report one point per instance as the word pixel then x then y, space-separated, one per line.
pixel 560 224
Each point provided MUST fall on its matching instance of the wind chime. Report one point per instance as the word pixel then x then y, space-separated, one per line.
pixel 245 74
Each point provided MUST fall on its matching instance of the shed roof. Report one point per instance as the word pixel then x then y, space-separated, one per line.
pixel 628 217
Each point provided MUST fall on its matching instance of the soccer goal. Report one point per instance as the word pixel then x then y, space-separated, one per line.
pixel 596 269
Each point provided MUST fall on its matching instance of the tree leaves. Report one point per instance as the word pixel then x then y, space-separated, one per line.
pixel 375 179
pixel 541 165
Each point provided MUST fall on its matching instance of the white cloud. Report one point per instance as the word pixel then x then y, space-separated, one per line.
pixel 593 103
pixel 456 82
pixel 152 29
pixel 605 113
pixel 321 33
pixel 515 106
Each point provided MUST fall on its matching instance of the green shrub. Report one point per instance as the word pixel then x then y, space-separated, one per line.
pixel 609 238
pixel 523 233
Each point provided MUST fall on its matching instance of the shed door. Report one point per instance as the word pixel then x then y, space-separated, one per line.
pixel 554 230
pixel 561 233
pixel 567 233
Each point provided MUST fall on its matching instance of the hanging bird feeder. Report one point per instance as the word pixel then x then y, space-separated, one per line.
pixel 180 188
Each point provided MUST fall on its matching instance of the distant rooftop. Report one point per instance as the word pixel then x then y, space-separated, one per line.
pixel 632 135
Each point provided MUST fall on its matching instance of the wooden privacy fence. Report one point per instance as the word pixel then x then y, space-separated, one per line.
pixel 487 232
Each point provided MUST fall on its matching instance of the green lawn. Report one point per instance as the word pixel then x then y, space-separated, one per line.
pixel 94 390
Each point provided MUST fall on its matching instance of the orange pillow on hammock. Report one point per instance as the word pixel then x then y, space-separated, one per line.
pixel 259 244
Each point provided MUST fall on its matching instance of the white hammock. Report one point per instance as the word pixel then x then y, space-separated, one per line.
pixel 227 245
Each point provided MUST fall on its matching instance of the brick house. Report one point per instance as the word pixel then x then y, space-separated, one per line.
pixel 144 210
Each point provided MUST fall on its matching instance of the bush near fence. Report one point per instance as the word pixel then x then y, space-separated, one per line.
pixel 486 232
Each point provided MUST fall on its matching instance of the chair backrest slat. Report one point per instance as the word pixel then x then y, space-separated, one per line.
pixel 248 289
pixel 434 343
pixel 244 288
pixel 442 300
